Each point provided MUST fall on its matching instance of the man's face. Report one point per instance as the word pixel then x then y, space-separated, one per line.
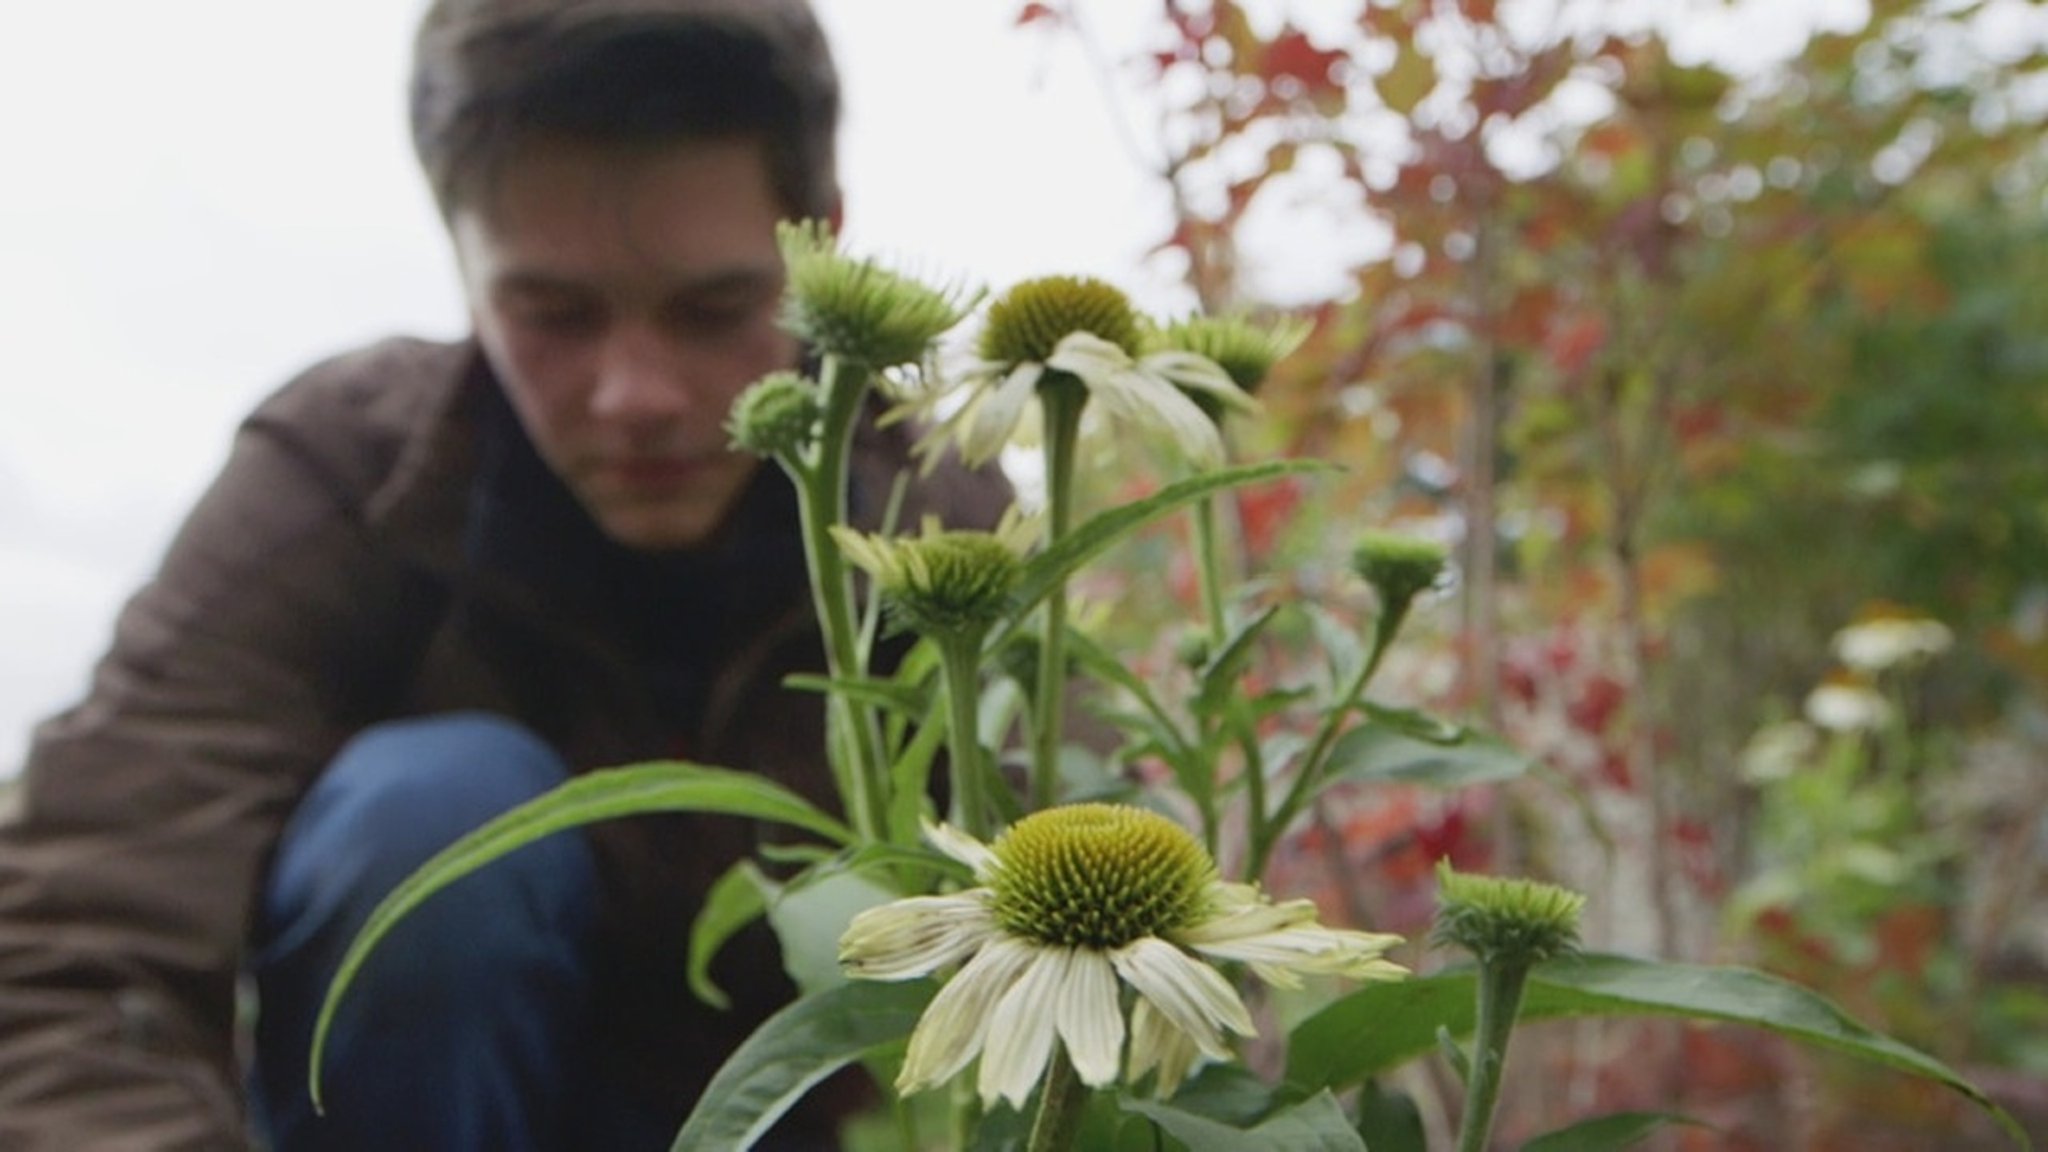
pixel 625 296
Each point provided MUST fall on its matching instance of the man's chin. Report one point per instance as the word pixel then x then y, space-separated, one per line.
pixel 659 528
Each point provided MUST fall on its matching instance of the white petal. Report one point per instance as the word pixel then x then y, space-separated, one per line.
pixel 955 1025
pixel 960 846
pixel 1089 357
pixel 1200 374
pixel 1090 1023
pixel 1149 401
pixel 1194 996
pixel 992 414
pixel 1157 1043
pixel 905 939
pixel 1021 1029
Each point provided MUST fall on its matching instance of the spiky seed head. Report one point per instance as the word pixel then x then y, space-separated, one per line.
pixel 1034 316
pixel 1097 876
pixel 1246 351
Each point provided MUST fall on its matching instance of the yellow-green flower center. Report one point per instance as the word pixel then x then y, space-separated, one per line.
pixel 1097 876
pixel 1033 317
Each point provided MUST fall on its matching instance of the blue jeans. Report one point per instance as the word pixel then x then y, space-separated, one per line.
pixel 466 1029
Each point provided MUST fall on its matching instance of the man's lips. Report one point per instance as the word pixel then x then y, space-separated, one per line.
pixel 654 472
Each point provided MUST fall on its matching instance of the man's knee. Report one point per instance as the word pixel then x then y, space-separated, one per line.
pixel 401 792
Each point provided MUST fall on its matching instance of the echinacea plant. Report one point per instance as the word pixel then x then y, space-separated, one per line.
pixel 1057 942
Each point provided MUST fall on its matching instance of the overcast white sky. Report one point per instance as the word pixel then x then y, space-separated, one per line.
pixel 199 199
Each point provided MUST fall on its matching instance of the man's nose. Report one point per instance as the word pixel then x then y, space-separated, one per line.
pixel 640 379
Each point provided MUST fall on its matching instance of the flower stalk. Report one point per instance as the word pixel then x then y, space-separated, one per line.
pixel 1509 926
pixel 1062 400
pixel 1061 1101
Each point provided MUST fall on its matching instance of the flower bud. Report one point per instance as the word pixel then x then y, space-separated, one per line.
pixel 776 417
pixel 1506 921
pixel 856 309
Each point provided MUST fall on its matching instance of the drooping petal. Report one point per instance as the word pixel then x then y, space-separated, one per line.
pixel 1283 939
pixel 1090 1023
pixel 1022 1027
pixel 991 414
pixel 1133 396
pixel 960 846
pixel 905 939
pixel 1157 1043
pixel 1194 996
pixel 955 1025
pixel 1195 373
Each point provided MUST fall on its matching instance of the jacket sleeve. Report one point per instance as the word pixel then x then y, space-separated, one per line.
pixel 127 877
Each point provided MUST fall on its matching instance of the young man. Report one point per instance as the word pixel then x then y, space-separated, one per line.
pixel 432 582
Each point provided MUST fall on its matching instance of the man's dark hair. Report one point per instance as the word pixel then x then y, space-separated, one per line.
pixel 488 73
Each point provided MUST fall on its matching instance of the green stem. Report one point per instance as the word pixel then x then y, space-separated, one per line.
pixel 959 662
pixel 1060 1105
pixel 822 502
pixel 1267 835
pixel 1209 570
pixel 1062 398
pixel 1500 1002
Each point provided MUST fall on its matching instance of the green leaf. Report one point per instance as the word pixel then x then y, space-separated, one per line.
pixel 793 1050
pixel 1382 1026
pixel 1606 1133
pixel 896 697
pixel 1390 1121
pixel 1226 668
pixel 1317 1124
pixel 1050 568
pixel 735 901
pixel 586 799
pixel 1376 752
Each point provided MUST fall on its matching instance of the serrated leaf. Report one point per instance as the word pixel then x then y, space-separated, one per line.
pixel 1382 1026
pixel 1609 1133
pixel 586 799
pixel 738 899
pixel 793 1050
pixel 1317 1124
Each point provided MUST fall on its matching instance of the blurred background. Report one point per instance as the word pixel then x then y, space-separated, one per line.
pixel 1713 333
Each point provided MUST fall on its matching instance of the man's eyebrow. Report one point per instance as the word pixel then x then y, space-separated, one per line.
pixel 739 279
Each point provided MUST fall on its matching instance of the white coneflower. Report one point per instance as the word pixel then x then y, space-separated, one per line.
pixel 1080 329
pixel 1888 642
pixel 1071 903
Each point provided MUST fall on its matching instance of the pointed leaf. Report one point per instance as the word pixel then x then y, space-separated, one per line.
pixel 793 1050
pixel 1606 1133
pixel 1376 752
pixel 738 899
pixel 1050 568
pixel 1317 1124
pixel 1220 678
pixel 1383 1026
pixel 586 799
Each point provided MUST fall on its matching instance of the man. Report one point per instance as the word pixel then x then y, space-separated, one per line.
pixel 432 582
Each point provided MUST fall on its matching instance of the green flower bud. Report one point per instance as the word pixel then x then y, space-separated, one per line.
pixel 1506 921
pixel 1034 316
pixel 1097 876
pixel 1398 567
pixel 856 309
pixel 941 584
pixel 777 416
pixel 1245 351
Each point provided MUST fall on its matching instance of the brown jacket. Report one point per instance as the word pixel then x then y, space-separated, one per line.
pixel 328 580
